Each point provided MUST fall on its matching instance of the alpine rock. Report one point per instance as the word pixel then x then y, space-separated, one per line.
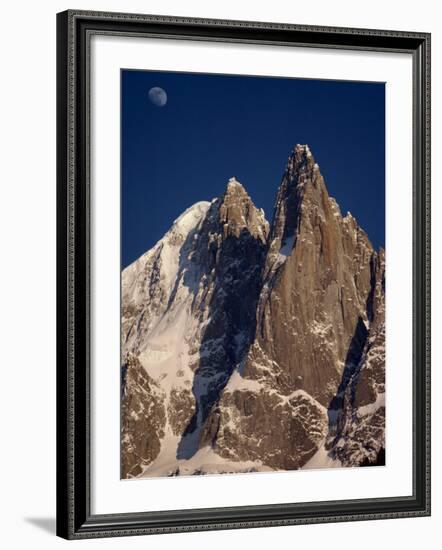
pixel 249 346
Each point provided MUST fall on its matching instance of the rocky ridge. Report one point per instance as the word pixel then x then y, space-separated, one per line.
pixel 248 346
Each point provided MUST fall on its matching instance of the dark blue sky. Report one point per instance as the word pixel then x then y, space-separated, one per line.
pixel 216 126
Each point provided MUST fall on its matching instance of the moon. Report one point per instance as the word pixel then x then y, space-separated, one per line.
pixel 158 96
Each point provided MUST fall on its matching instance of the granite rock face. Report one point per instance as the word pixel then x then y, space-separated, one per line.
pixel 143 417
pixel 248 346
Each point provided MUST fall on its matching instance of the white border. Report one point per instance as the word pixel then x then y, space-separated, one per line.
pixel 109 494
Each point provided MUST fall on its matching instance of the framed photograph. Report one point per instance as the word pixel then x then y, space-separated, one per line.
pixel 243 274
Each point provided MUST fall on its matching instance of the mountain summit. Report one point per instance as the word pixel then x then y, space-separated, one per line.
pixel 248 346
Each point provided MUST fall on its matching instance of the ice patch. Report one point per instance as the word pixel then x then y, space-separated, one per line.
pixel 287 247
pixel 189 219
pixel 322 459
pixel 371 408
pixel 238 383
pixel 205 461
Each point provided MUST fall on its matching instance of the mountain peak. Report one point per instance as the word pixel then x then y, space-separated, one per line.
pixel 238 212
pixel 235 190
pixel 302 150
pixel 300 158
pixel 233 184
pixel 192 215
pixel 301 182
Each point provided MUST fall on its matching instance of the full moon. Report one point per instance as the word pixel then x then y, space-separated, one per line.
pixel 158 96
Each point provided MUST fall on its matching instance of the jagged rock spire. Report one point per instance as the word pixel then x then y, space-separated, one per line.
pixel 300 171
pixel 318 279
pixel 301 201
pixel 237 213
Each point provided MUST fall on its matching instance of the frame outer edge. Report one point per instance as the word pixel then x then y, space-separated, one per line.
pixel 71 521
pixel 266 25
pixel 427 266
pixel 62 281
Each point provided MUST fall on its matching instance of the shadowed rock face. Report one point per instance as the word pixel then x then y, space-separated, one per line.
pixel 232 244
pixel 262 343
pixel 357 433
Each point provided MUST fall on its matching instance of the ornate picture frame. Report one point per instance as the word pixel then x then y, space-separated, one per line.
pixel 75 518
